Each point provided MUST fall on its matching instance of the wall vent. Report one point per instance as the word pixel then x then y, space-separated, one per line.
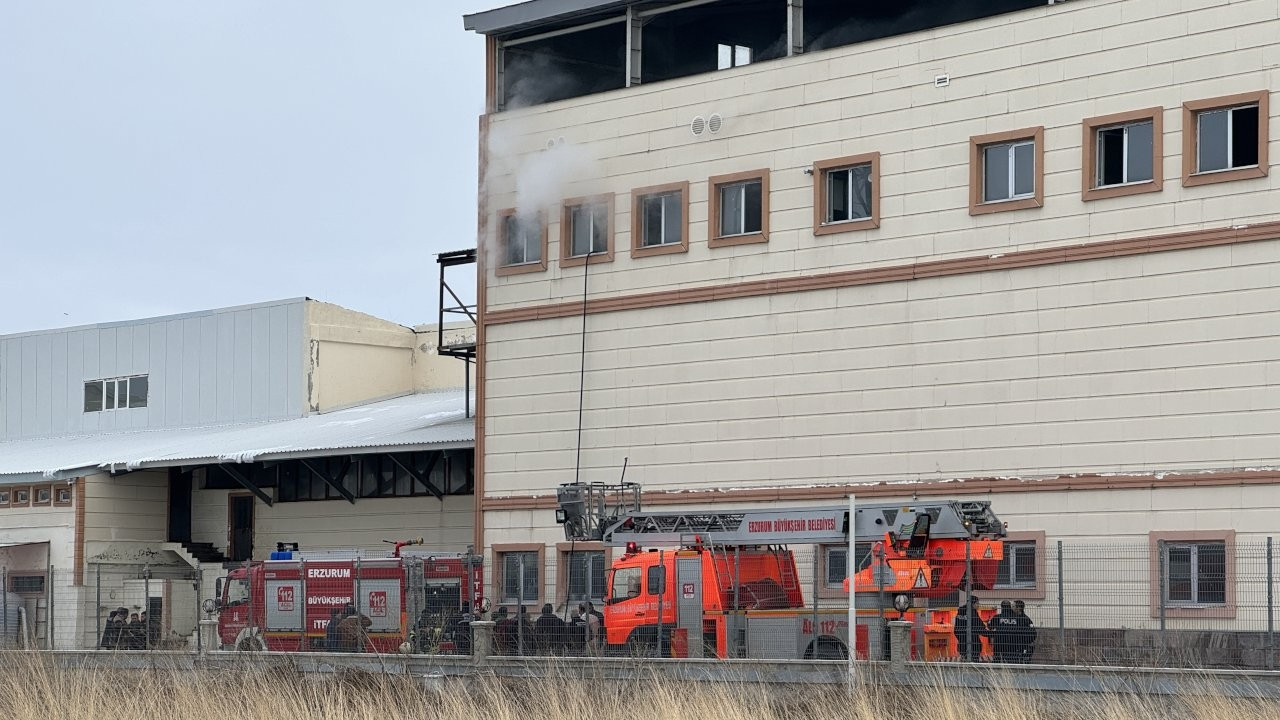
pixel 698 126
pixel 941 80
pixel 714 123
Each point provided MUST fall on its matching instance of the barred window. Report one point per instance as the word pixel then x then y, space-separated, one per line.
pixel 586 575
pixel 1018 567
pixel 1195 573
pixel 521 577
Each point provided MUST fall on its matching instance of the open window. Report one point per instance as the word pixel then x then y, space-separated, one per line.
pixel 522 239
pixel 833 23
pixel 1006 171
pixel 1123 154
pixel 846 194
pixel 1225 138
pixel 586 230
pixel 660 220
pixel 537 70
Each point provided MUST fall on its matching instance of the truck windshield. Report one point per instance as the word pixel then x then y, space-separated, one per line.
pixel 626 583
pixel 237 591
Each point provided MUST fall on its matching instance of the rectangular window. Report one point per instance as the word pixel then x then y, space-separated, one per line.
pixel 42 495
pixel 740 208
pixel 846 196
pixel 26 584
pixel 1196 573
pixel 657 580
pixel 731 56
pixel 61 497
pixel 626 583
pixel 1008 171
pixel 1018 567
pixel 837 562
pixel 586 575
pixel 1227 138
pixel 660 220
pixel 588 229
pixel 520 577
pixel 4 498
pixel 522 238
pixel 116 393
pixel 21 497
pixel 1125 154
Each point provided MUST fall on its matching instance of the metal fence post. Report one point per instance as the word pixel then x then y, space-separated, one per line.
pixel 146 606
pixel 48 620
pixel 4 604
pixel 359 598
pixel 662 571
pixel 520 605
pixel 198 584
pixel 1271 608
pixel 97 604
pixel 1062 609
pixel 302 601
pixel 738 645
pixel 1163 590
pixel 968 603
pixel 816 565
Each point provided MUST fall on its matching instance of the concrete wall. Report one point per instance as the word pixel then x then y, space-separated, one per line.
pixel 131 507
pixel 1052 66
pixel 221 366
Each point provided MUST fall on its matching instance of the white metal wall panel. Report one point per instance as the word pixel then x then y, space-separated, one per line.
pixel 221 366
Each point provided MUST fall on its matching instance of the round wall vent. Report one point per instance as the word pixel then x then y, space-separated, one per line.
pixel 714 123
pixel 552 143
pixel 698 126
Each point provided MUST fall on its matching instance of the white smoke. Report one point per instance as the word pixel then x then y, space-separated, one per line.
pixel 541 178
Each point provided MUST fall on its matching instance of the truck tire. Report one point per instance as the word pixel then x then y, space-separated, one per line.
pixel 250 640
pixel 826 648
pixel 643 643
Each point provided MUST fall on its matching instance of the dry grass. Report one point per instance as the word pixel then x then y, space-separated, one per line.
pixel 36 690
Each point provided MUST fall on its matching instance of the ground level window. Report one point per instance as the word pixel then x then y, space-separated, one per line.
pixel 520 577
pixel 586 575
pixel 26 584
pixel 1195 573
pixel 1018 567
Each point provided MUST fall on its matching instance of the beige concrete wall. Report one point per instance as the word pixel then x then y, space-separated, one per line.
pixel 355 358
pixel 132 507
pixel 337 525
pixel 1052 66
pixel 433 371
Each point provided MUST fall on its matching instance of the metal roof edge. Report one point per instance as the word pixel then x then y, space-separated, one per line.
pixel 532 12
pixel 156 318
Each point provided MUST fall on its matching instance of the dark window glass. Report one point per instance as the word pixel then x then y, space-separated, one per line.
pixel 93 396
pixel 1140 149
pixel 1111 156
pixel 138 391
pixel 1244 137
pixel 657 581
pixel 1212 141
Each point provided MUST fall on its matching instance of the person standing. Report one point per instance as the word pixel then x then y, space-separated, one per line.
pixel 969 625
pixel 593 642
pixel 576 633
pixel 1005 634
pixel 549 632
pixel 331 631
pixel 1026 633
pixel 504 632
pixel 134 633
pixel 110 633
pixel 352 634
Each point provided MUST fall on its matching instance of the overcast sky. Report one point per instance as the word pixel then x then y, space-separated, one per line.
pixel 160 156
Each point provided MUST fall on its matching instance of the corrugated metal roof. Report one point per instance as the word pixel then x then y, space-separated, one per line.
pixel 427 421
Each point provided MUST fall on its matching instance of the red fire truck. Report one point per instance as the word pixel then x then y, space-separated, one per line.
pixel 729 587
pixel 285 604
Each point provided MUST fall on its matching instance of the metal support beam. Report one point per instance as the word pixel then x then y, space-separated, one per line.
pixel 248 483
pixel 635 33
pixel 795 27
pixel 333 481
pixel 424 478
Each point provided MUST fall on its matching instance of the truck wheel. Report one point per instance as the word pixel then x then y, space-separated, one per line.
pixel 826 648
pixel 641 644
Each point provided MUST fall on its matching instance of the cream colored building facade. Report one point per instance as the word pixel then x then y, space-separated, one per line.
pixel 90 495
pixel 1099 359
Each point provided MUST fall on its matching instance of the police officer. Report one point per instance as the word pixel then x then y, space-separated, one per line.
pixel 1006 634
pixel 1026 633
pixel 969 623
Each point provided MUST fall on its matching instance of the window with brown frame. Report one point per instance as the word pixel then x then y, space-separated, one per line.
pixel 586 230
pixel 522 239
pixel 846 194
pixel 660 220
pixel 1225 138
pixel 518 573
pixel 41 496
pixel 1006 171
pixel 1193 573
pixel 5 496
pixel 739 208
pixel 1123 154
pixel 63 497
pixel 21 497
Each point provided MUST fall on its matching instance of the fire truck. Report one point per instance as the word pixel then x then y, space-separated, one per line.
pixel 412 599
pixel 724 583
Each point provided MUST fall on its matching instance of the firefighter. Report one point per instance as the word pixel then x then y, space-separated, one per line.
pixel 1006 634
pixel 331 631
pixel 969 622
pixel 1026 633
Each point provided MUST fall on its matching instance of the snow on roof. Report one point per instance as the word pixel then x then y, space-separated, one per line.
pixel 414 422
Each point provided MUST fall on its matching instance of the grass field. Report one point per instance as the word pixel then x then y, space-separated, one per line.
pixel 35 690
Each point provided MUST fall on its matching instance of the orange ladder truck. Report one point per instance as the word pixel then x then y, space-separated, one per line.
pixel 723 583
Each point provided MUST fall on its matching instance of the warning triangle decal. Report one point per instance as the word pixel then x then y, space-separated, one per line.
pixel 987 555
pixel 921 582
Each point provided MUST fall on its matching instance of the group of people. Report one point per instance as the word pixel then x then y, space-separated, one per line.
pixel 127 631
pixel 347 630
pixel 1011 632
pixel 582 634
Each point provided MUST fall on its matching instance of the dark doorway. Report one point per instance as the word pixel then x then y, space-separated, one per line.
pixel 179 506
pixel 240 527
